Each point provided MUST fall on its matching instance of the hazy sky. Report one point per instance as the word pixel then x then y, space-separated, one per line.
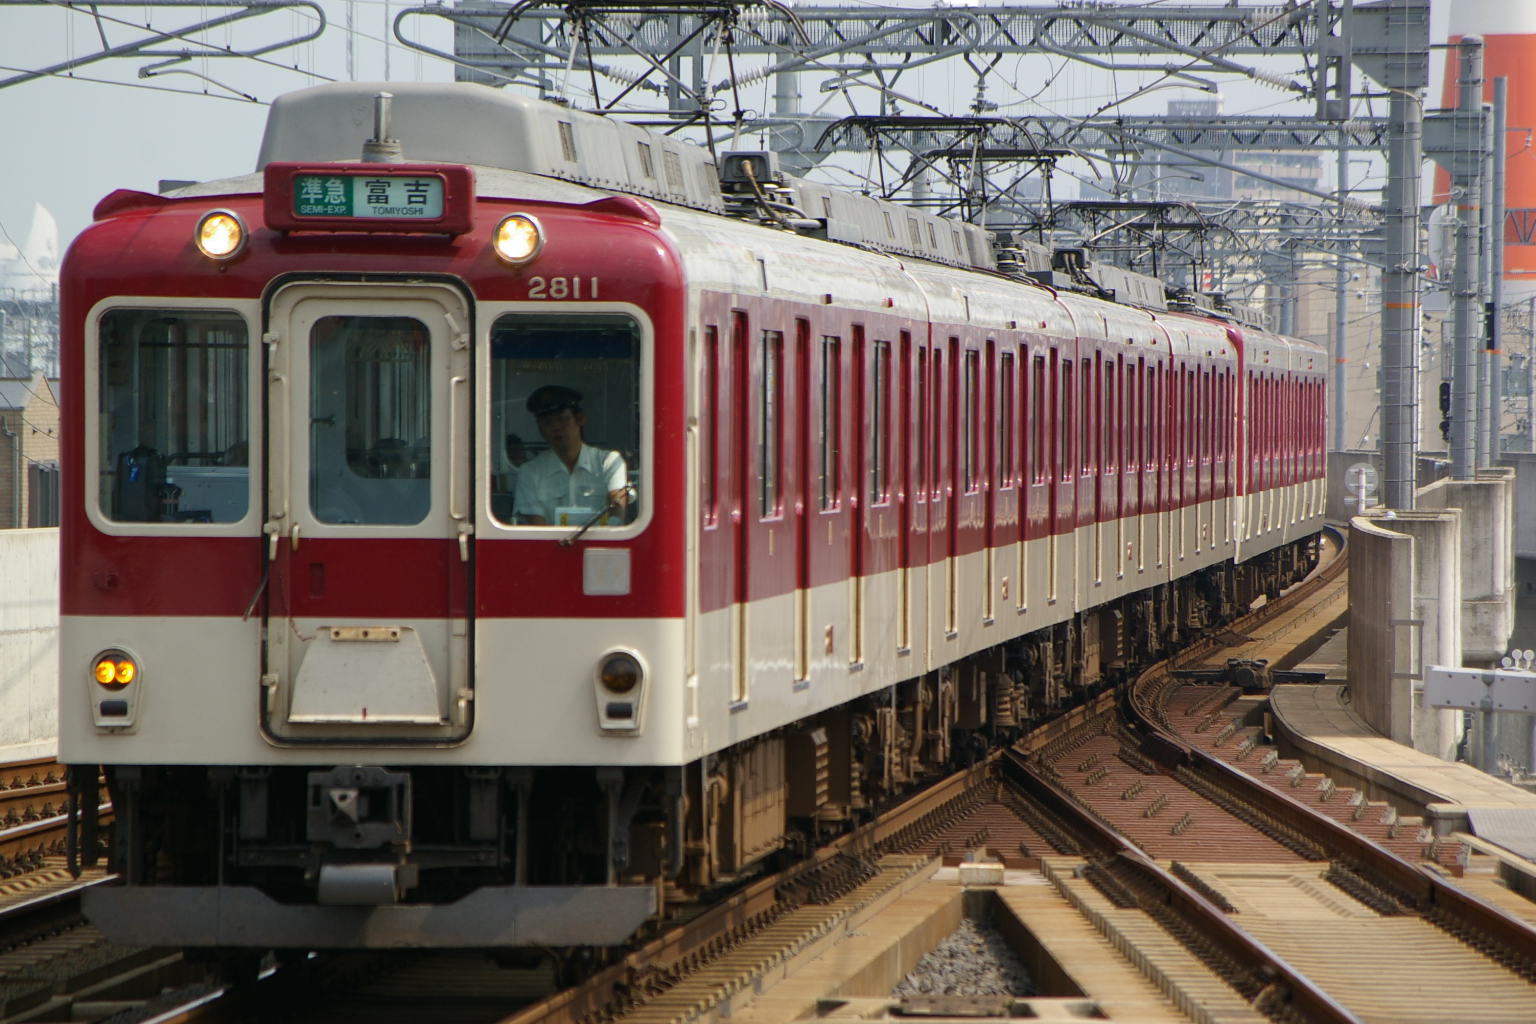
pixel 70 141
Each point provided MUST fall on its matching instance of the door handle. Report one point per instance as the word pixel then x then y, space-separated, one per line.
pixel 293 536
pixel 279 447
pixel 457 501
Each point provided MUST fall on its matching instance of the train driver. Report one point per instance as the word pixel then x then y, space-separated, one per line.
pixel 572 481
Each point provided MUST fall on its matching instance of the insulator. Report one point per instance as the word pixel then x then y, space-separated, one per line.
pixel 628 77
pixel 1269 78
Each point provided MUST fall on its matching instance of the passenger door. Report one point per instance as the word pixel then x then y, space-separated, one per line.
pixel 366 608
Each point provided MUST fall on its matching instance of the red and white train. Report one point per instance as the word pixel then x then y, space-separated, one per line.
pixel 879 505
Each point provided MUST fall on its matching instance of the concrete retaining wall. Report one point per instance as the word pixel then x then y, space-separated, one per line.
pixel 1487 559
pixel 1524 465
pixel 29 643
pixel 1405 600
pixel 1381 654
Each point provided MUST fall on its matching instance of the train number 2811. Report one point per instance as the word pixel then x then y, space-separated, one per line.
pixel 562 287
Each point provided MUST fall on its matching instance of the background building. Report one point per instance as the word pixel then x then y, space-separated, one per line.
pixel 29 452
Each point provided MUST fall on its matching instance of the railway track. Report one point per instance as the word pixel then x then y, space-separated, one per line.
pixel 51 960
pixel 34 803
pixel 1244 887
pixel 33 798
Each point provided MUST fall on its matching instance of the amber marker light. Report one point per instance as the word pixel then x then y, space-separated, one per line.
pixel 114 669
pixel 517 239
pixel 220 234
pixel 620 672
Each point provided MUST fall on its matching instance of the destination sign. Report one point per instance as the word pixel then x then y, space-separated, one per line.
pixel 355 195
pixel 392 198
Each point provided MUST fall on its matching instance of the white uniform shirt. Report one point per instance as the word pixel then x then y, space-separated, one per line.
pixel 545 486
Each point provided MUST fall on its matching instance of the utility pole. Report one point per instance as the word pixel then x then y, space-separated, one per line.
pixel 1341 306
pixel 1405 81
pixel 1466 192
pixel 1496 262
pixel 1485 393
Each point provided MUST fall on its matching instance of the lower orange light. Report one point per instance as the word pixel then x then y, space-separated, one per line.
pixel 114 669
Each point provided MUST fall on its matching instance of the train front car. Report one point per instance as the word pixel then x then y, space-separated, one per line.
pixel 339 625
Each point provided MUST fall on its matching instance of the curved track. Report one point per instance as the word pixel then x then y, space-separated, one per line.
pixel 1158 811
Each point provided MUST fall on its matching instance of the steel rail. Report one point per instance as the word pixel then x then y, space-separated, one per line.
pixel 1415 884
pixel 679 943
pixel 1301 994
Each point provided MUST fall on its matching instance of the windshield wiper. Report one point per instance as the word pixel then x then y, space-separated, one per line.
pixel 612 506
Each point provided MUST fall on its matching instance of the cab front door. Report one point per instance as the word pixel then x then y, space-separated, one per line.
pixel 366 607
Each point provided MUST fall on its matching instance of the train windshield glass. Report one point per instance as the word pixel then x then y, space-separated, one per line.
pixel 565 403
pixel 173 416
pixel 370 420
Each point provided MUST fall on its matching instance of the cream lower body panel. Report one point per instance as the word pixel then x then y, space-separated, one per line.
pixel 1279 516
pixel 852 653
pixel 536 700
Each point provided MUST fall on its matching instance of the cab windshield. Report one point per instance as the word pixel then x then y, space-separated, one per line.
pixel 172 423
pixel 565 420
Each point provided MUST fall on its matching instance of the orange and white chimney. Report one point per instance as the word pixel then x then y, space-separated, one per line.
pixel 1508 30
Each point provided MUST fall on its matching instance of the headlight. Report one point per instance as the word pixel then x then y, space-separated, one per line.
pixel 517 239
pixel 620 672
pixel 220 234
pixel 114 669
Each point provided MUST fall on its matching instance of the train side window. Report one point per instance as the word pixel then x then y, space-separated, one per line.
pixel 537 361
pixel 1039 424
pixel 771 425
pixel 880 466
pixel 173 416
pixel 1255 429
pixel 1210 416
pixel 831 422
pixel 1089 448
pixel 710 435
pixel 921 425
pixel 1191 436
pixel 1112 420
pixel 902 447
pixel 1204 419
pixel 1069 426
pixel 936 443
pixel 1228 397
pixel 1005 424
pixel 972 422
pixel 1136 436
pixel 1100 415
pixel 1026 413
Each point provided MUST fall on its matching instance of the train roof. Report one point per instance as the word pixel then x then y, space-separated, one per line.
pixel 485 127
pixel 530 149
